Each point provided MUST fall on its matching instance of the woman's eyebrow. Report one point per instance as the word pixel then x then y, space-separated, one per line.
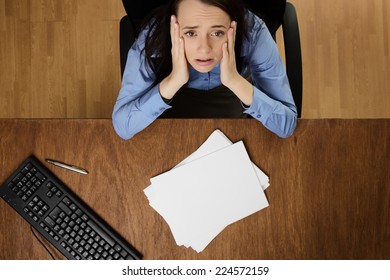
pixel 197 26
pixel 190 27
pixel 219 26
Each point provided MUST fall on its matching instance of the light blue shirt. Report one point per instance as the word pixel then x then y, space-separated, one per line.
pixel 139 102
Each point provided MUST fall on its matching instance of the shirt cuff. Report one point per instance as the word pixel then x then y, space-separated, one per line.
pixel 262 106
pixel 153 103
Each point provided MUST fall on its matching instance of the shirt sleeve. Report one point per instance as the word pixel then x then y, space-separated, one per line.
pixel 139 101
pixel 273 104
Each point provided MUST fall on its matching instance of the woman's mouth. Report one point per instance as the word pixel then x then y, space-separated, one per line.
pixel 204 62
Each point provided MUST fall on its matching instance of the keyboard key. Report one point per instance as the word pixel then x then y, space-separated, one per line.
pixel 101 232
pixel 79 212
pixel 17 178
pixel 50 221
pixel 123 253
pixel 55 213
pixel 40 176
pixel 65 208
pixel 66 200
pixel 117 248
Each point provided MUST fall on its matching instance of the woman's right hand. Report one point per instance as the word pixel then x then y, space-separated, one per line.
pixel 180 74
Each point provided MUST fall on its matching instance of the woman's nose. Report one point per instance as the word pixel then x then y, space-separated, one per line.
pixel 204 45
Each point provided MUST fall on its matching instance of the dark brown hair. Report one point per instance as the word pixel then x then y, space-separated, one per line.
pixel 158 41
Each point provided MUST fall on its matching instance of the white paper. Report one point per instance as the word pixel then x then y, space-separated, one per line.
pixel 201 196
pixel 218 140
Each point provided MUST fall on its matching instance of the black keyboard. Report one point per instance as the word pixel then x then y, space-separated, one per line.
pixel 60 216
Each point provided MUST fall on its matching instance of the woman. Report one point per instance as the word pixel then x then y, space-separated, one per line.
pixel 194 54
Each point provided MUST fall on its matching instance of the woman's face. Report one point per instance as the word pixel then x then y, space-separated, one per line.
pixel 204 29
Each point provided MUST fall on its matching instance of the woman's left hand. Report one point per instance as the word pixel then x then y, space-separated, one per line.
pixel 228 63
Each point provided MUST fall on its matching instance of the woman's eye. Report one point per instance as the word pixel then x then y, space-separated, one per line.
pixel 189 34
pixel 218 33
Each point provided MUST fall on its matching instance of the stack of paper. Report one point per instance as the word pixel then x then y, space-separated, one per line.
pixel 215 186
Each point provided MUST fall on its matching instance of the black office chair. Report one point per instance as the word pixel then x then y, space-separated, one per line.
pixel 275 13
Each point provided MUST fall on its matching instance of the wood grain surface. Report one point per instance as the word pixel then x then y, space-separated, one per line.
pixel 329 188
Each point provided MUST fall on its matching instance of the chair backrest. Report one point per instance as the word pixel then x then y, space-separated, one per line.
pixel 271 11
pixel 138 9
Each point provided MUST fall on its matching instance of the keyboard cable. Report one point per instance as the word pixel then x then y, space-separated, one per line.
pixel 42 244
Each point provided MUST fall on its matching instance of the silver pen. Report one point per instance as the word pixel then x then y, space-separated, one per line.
pixel 67 166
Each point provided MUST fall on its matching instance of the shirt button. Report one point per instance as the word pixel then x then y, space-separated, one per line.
pixel 258 116
pixel 252 113
pixel 161 109
pixel 155 114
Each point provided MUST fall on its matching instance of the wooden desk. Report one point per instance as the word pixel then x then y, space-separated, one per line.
pixel 329 194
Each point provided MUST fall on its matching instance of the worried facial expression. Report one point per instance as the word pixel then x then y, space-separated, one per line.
pixel 204 29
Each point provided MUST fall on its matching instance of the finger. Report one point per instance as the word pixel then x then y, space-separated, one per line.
pixel 172 29
pixel 232 37
pixel 225 52
pixel 181 47
pixel 230 42
pixel 234 31
pixel 177 39
pixel 174 33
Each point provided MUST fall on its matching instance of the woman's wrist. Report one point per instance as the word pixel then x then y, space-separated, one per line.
pixel 242 88
pixel 168 87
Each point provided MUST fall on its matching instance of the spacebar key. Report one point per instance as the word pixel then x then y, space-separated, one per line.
pixel 101 232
